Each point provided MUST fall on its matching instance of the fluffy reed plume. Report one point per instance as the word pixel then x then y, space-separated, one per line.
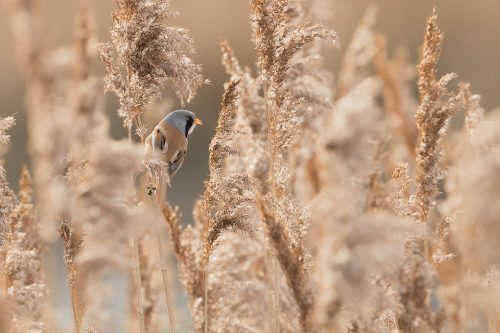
pixel 246 157
pixel 225 205
pixel 474 113
pixel 25 285
pixel 278 38
pixel 100 203
pixel 144 55
pixel 86 106
pixel 8 200
pixel 475 228
pixel 187 249
pixel 437 104
pixel 397 76
pixel 342 165
pixel 72 242
pixel 47 75
pixel 228 199
pixel 359 54
pixel 248 121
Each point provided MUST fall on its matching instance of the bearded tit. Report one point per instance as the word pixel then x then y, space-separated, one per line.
pixel 169 140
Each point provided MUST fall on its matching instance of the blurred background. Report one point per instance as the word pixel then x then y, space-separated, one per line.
pixel 471 48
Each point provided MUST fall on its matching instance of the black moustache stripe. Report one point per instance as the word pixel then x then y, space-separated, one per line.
pixel 189 123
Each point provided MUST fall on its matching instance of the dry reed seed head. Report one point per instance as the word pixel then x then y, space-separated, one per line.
pixel 229 61
pixel 25 194
pixel 250 128
pixel 359 54
pixel 84 44
pixel 311 84
pixel 227 204
pixel 250 102
pixel 355 249
pixel 8 198
pixel 156 169
pixel 25 282
pixel 403 204
pixel 474 113
pixel 480 290
pixel 102 212
pixel 346 143
pixel 414 282
pixel 102 194
pixel 187 246
pixel 5 124
pixel 238 267
pixel 476 228
pixel 228 199
pixel 437 106
pixel 48 74
pixel 145 54
pixel 221 145
pixel 441 241
pixel 27 33
pixel 292 260
pixel 72 243
pixel 277 39
pixel 398 75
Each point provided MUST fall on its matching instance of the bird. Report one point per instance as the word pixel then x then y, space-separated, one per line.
pixel 168 142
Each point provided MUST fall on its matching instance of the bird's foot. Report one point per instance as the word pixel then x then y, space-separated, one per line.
pixel 151 189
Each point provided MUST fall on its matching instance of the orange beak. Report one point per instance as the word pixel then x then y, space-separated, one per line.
pixel 198 121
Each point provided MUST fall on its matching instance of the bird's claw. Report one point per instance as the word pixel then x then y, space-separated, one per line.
pixel 151 189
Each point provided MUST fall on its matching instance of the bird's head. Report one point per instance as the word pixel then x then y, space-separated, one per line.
pixel 183 120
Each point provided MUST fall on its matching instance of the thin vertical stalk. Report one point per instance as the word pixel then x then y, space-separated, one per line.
pixel 164 274
pixel 205 308
pixel 270 140
pixel 140 304
pixel 75 312
pixel 426 248
pixel 276 297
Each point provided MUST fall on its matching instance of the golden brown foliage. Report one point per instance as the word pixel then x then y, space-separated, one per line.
pixel 144 54
pixel 309 221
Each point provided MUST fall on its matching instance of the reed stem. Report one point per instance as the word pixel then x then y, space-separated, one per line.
pixel 164 274
pixel 76 312
pixel 205 308
pixel 492 323
pixel 276 297
pixel 140 304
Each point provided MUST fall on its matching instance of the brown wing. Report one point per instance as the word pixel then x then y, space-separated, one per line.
pixel 176 162
pixel 176 142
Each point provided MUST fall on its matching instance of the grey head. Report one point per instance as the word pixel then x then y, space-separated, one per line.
pixel 183 120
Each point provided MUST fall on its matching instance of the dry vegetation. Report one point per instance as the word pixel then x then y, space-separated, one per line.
pixel 329 207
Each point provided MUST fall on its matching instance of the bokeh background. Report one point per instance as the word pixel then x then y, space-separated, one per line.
pixel 471 48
